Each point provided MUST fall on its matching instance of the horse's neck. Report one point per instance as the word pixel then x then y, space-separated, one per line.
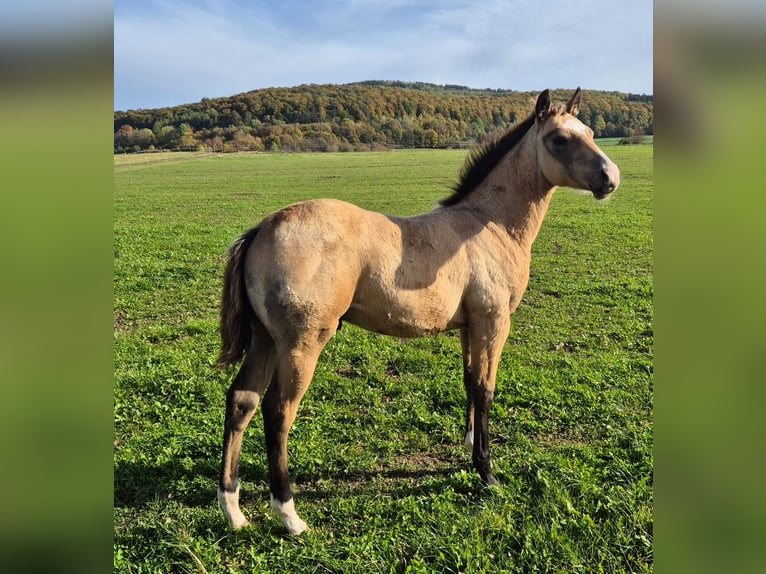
pixel 515 196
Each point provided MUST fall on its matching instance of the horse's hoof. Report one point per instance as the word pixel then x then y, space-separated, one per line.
pixel 490 480
pixel 286 512
pixel 229 502
pixel 298 529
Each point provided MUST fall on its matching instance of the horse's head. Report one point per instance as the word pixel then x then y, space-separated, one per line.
pixel 566 152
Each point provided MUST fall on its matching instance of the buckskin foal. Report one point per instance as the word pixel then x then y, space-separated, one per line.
pixel 292 280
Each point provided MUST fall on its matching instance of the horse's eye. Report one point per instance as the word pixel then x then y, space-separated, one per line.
pixel 559 141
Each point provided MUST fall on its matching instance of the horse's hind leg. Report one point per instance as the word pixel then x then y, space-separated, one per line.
pixel 241 403
pixel 295 369
pixel 466 350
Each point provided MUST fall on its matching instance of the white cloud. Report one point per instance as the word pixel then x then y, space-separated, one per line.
pixel 180 52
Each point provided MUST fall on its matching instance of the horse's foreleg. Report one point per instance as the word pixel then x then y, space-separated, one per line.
pixel 280 406
pixel 241 403
pixel 486 342
pixel 466 351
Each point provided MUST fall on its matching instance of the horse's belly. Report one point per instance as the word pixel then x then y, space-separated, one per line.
pixel 402 320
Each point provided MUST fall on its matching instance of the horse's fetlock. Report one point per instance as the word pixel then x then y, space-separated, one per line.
pixel 229 501
pixel 286 512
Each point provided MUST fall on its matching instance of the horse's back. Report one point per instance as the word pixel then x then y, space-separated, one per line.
pixel 317 261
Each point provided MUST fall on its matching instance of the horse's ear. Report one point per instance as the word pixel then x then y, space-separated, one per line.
pixel 543 105
pixel 573 105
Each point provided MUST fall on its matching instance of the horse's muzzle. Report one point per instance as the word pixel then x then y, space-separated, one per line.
pixel 606 181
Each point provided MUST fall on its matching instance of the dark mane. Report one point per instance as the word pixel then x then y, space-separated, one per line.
pixel 481 160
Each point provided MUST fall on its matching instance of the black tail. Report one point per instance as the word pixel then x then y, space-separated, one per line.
pixel 236 313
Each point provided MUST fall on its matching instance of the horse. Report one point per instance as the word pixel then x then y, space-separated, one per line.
pixel 290 282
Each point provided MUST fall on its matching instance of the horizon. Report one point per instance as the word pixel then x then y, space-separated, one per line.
pixel 374 83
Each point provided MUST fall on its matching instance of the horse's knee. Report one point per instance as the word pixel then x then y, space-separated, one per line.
pixel 240 407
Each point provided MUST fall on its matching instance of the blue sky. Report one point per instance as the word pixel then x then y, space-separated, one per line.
pixel 170 52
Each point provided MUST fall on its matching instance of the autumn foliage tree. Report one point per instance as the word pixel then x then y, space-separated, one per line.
pixel 367 115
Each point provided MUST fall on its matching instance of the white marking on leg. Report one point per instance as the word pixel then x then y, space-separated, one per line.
pixel 469 440
pixel 290 518
pixel 229 502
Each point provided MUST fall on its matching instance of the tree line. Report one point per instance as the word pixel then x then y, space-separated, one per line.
pixel 361 116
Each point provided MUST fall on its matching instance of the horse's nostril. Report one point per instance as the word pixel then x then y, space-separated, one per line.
pixel 610 176
pixel 608 180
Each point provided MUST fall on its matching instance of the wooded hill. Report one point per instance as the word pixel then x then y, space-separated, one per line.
pixel 361 116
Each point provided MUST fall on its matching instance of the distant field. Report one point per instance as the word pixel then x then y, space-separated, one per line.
pixel 377 457
pixel 126 160
pixel 605 142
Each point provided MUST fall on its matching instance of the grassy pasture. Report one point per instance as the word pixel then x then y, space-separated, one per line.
pixel 376 454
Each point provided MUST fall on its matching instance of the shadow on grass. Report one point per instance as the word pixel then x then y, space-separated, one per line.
pixel 137 484
pixel 416 474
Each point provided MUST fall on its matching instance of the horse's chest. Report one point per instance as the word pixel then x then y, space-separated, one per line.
pixel 500 289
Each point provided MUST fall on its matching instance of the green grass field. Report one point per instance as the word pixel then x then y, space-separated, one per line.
pixel 376 453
